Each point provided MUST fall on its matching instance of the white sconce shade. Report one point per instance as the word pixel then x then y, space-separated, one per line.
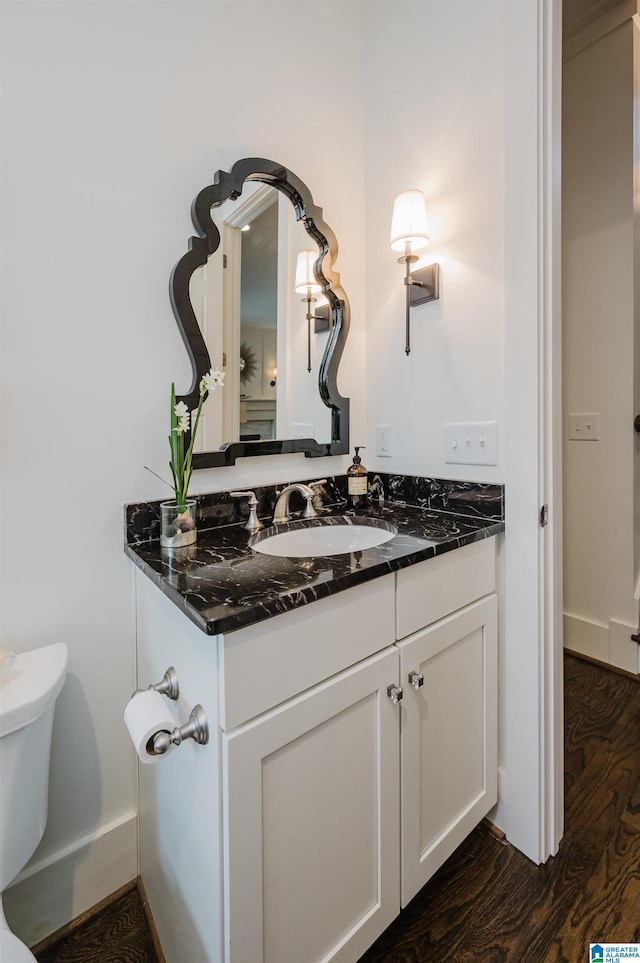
pixel 305 282
pixel 409 227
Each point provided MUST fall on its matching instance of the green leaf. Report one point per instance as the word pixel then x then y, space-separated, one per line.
pixel 186 459
pixel 176 446
pixel 174 417
pixel 164 482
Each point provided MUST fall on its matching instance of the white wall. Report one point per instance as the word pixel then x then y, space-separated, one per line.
pixel 435 121
pixel 114 116
pixel 598 321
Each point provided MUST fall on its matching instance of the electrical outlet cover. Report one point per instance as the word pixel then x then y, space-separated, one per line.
pixel 383 441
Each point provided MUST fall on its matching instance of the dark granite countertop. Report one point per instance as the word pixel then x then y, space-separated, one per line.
pixel 222 584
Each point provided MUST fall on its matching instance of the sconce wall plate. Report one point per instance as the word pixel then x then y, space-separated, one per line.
pixel 424 285
pixel 321 319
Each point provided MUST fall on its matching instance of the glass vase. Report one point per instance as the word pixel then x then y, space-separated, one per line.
pixel 178 526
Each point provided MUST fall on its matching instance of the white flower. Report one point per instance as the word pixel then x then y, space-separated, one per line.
pixel 214 379
pixel 182 414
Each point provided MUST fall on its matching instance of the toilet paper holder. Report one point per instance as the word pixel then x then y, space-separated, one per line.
pixel 196 727
pixel 167 686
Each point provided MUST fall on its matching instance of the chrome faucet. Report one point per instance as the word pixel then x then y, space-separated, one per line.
pixel 281 513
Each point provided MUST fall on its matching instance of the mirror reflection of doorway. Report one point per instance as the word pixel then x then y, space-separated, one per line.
pixel 259 324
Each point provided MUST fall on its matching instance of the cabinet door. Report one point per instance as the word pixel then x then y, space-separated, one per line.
pixel 311 821
pixel 449 738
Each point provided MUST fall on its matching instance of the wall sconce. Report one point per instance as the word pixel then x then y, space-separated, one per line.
pixel 306 284
pixel 274 377
pixel 410 233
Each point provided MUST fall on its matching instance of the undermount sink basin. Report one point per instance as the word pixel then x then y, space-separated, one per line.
pixel 336 535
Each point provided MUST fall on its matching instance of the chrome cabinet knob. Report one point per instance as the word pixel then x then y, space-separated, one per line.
pixel 416 679
pixel 395 693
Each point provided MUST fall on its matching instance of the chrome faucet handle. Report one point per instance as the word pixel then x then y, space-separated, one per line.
pixel 253 523
pixel 310 510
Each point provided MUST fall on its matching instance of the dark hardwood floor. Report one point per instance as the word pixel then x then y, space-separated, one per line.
pixel 489 903
pixel 118 934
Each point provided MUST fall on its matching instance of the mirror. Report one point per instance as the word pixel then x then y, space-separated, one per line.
pixel 235 301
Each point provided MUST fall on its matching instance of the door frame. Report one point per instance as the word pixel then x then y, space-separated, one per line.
pixel 530 809
pixel 550 281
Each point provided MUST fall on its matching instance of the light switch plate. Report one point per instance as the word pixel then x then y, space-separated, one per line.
pixel 584 427
pixel 471 443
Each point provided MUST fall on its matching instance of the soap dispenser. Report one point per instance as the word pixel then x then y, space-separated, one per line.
pixel 357 481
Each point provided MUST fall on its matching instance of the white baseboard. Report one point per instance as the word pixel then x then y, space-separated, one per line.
pixel 610 643
pixel 49 894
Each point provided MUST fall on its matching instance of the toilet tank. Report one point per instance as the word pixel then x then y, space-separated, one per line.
pixel 28 691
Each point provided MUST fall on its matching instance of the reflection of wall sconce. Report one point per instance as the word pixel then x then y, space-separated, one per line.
pixel 274 377
pixel 305 283
pixel 410 233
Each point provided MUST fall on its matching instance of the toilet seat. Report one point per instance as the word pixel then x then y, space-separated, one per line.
pixel 12 950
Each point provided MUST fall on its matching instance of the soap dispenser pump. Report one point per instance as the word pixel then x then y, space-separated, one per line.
pixel 357 481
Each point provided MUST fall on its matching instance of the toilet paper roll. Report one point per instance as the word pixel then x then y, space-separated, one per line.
pixel 145 715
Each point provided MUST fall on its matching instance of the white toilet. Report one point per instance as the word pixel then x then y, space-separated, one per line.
pixel 29 687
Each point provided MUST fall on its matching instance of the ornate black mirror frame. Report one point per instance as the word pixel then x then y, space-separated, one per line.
pixel 229 185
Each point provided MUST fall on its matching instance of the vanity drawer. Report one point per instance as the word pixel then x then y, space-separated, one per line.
pixel 266 664
pixel 430 590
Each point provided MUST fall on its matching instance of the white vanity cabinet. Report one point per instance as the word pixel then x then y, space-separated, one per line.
pixel 449 738
pixel 312 822
pixel 319 805
pixel 449 673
